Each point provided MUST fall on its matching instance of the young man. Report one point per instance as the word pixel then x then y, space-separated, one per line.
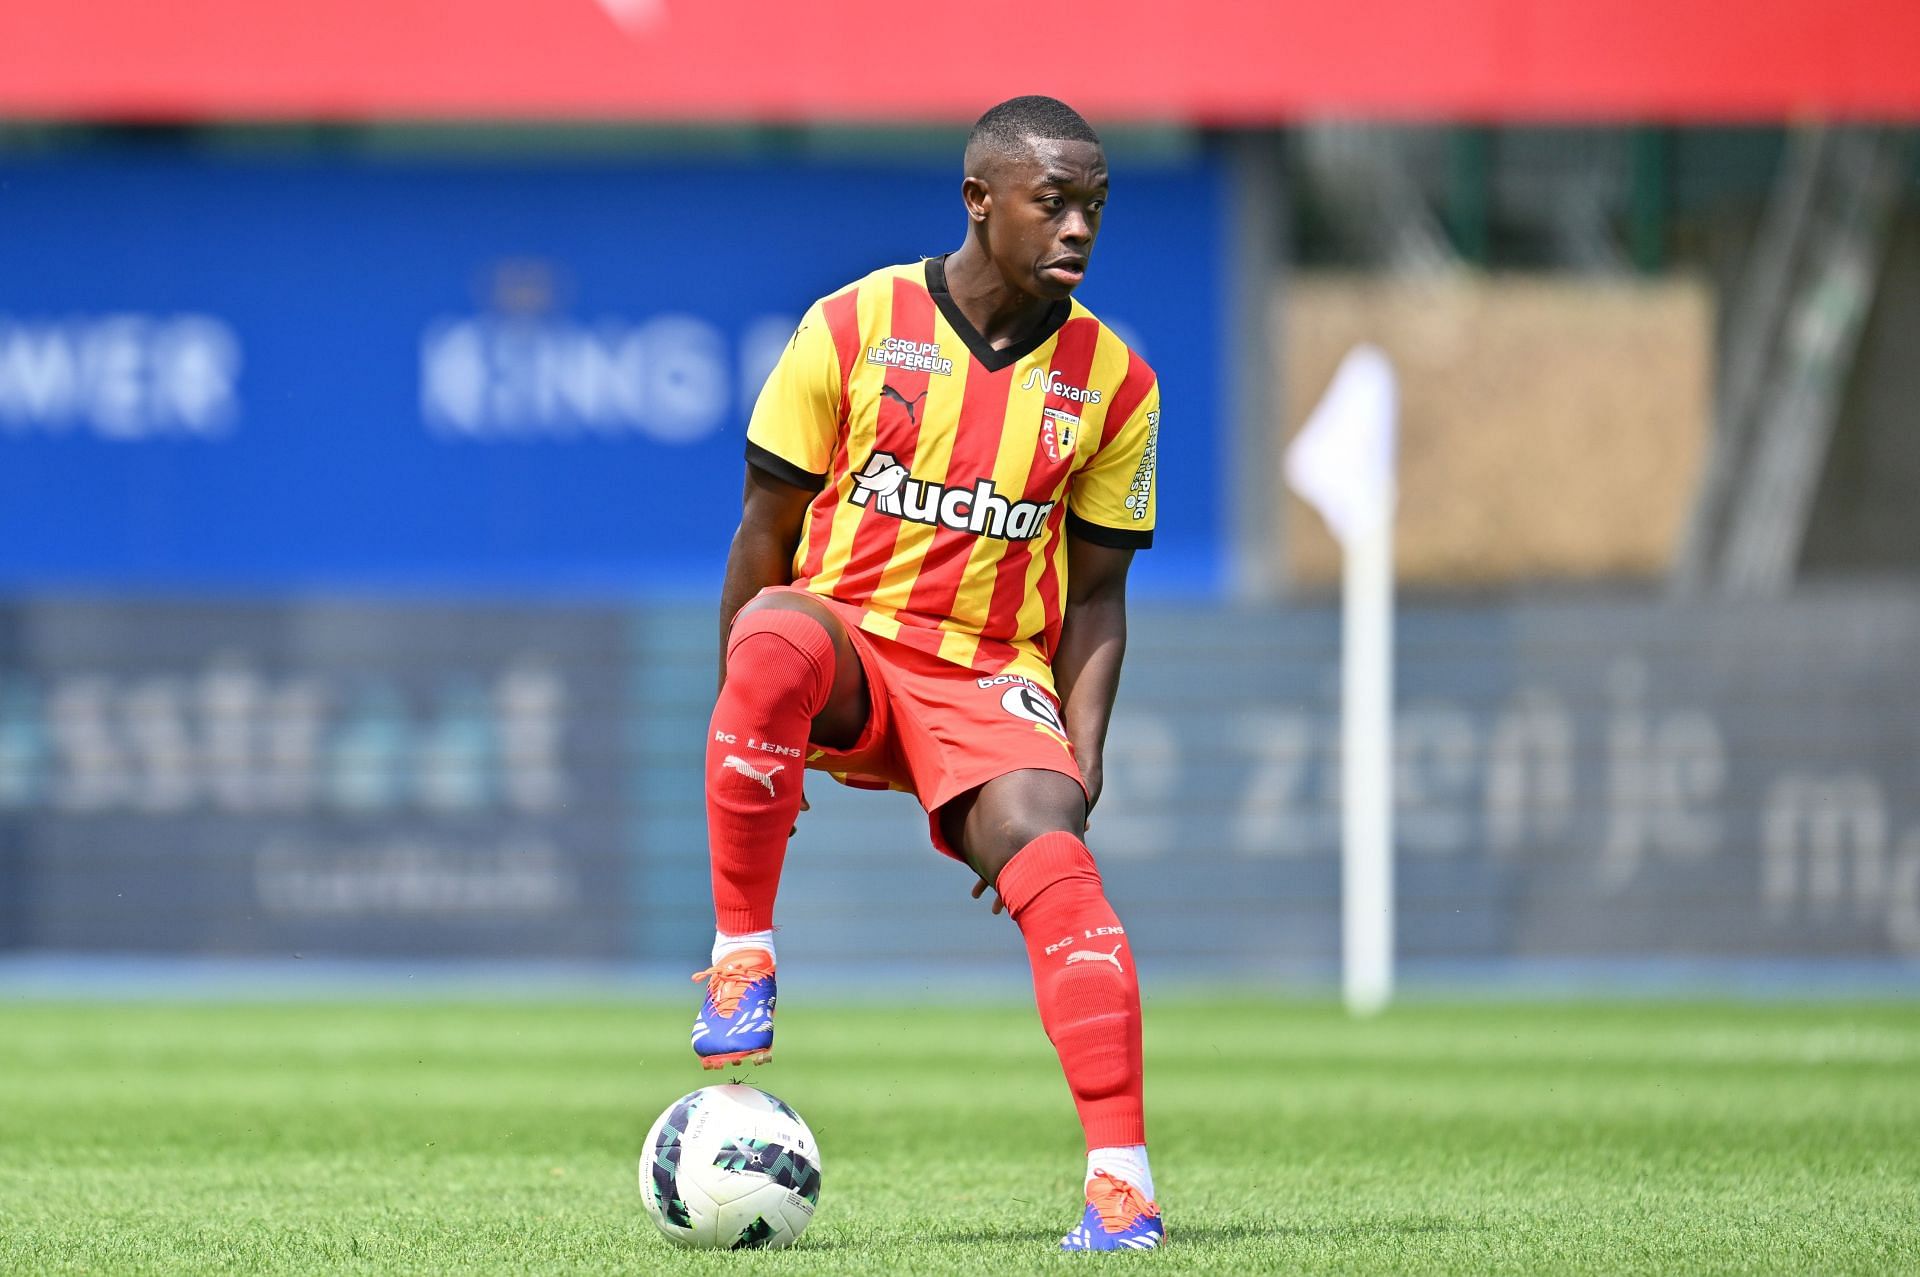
pixel 948 474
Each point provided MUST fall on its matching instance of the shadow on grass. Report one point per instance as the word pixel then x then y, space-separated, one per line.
pixel 1411 1226
pixel 1178 1233
pixel 977 1235
pixel 1225 1234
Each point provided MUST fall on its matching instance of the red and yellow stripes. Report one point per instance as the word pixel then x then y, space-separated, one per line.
pixel 952 556
pixel 1016 579
pixel 843 323
pixel 897 398
pixel 986 602
pixel 1047 609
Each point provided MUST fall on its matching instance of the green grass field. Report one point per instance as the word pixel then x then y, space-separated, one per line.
pixel 1473 1139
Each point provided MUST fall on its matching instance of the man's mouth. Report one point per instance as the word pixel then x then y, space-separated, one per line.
pixel 1066 270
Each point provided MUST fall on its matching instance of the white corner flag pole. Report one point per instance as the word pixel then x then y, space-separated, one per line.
pixel 1343 462
pixel 1366 774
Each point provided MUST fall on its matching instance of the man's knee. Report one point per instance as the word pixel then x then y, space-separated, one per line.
pixel 801 622
pixel 1055 865
pixel 776 651
pixel 1011 812
pixel 994 855
pixel 840 710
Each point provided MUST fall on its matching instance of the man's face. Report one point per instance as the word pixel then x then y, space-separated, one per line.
pixel 1045 214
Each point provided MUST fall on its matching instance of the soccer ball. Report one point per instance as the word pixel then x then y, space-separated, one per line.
pixel 730 1167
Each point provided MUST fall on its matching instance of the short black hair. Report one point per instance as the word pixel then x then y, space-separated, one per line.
pixel 1006 128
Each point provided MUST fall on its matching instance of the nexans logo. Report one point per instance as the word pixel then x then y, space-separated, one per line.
pixel 885 485
pixel 1054 385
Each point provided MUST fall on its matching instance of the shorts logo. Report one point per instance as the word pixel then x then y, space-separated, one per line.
pixel 1022 700
pixel 884 485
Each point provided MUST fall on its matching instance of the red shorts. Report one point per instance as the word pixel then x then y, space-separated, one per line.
pixel 938 730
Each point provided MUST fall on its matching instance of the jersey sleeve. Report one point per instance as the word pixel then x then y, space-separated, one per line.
pixel 1111 500
pixel 797 417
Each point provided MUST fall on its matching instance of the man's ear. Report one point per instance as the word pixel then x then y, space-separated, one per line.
pixel 978 198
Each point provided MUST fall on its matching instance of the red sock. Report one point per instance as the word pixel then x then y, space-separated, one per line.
pixel 1084 981
pixel 779 672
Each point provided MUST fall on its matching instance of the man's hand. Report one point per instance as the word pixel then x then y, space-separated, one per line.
pixel 981 888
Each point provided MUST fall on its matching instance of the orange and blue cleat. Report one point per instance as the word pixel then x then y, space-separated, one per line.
pixel 735 1025
pixel 1119 1217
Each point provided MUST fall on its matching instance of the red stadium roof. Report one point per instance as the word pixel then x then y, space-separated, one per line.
pixel 1207 61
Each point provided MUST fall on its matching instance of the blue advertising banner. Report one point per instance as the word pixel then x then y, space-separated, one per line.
pixel 501 377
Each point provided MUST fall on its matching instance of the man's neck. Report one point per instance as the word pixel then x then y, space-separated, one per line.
pixel 999 312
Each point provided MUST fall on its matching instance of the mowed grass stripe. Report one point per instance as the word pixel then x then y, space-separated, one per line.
pixel 1465 1139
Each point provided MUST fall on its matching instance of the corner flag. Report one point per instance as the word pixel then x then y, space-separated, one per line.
pixel 1342 462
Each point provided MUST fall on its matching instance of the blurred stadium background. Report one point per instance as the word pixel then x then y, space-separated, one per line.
pixel 373 379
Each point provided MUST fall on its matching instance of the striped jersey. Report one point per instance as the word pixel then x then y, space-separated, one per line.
pixel 948 473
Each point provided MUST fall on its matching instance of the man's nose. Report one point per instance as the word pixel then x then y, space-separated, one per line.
pixel 1074 228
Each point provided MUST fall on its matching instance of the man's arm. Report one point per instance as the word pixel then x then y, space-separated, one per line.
pixel 1093 639
pixel 772 514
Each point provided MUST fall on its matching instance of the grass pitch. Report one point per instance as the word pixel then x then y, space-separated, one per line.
pixel 1515 1138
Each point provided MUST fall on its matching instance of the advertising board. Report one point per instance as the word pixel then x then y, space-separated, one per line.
pixel 529 378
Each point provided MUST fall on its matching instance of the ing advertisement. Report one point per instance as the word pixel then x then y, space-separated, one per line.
pixel 497 378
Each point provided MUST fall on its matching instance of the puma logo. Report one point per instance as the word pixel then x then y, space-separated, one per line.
pixel 734 763
pixel 1094 955
pixel 911 405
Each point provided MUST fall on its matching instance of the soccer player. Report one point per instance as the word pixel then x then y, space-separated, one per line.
pixel 948 473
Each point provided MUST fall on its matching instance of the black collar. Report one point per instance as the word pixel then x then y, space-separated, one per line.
pixel 989 358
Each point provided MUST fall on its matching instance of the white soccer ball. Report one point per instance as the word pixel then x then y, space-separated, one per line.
pixel 728 1168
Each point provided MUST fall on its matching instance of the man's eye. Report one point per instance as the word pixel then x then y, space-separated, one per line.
pixel 1054 202
pixel 1096 205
